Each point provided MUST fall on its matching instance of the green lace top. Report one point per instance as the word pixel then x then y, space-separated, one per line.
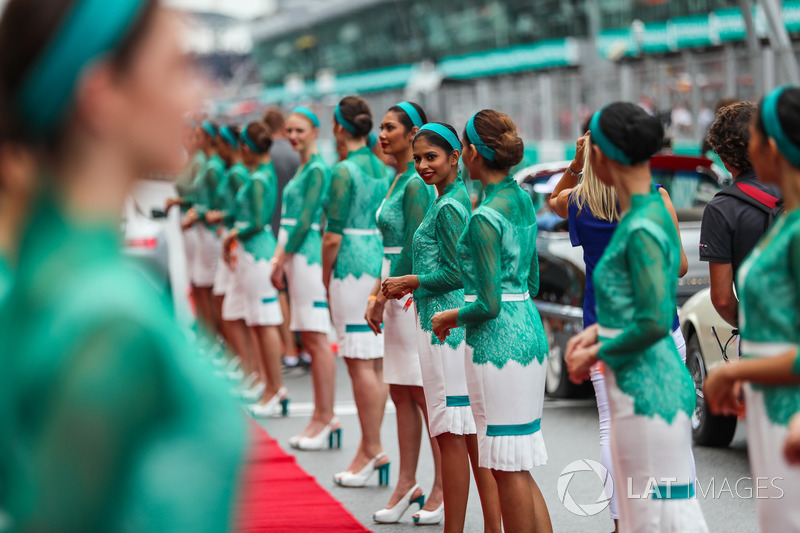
pixel 225 195
pixel 436 258
pixel 498 257
pixel 357 186
pixel 6 277
pixel 769 305
pixel 117 424
pixel 303 200
pixel 205 187
pixel 636 288
pixel 255 203
pixel 399 217
pixel 184 185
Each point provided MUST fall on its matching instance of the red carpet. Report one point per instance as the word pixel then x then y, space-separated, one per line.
pixel 279 496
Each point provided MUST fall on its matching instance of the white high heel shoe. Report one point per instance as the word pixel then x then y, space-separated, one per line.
pixel 429 518
pixel 392 515
pixel 251 393
pixel 277 405
pixel 359 479
pixel 328 438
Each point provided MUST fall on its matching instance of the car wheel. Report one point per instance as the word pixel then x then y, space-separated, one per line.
pixel 707 429
pixel 557 383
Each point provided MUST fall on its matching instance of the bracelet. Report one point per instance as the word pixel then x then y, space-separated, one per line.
pixel 372 298
pixel 576 174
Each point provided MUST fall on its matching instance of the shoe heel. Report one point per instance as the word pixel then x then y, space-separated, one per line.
pixel 383 474
pixel 335 436
pixel 420 500
pixel 285 407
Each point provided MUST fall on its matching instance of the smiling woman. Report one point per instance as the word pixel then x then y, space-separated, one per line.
pixel 117 424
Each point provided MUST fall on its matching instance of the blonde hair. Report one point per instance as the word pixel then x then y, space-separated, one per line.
pixel 601 199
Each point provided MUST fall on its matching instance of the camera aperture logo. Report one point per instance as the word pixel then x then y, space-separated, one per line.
pixel 587 509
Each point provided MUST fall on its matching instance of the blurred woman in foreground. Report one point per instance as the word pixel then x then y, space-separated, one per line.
pixel 116 424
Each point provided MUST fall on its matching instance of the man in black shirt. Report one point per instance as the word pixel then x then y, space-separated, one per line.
pixel 738 216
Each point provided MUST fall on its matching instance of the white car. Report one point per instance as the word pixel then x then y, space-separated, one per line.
pixel 709 340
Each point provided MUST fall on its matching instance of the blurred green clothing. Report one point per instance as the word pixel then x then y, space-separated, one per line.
pixel 255 203
pixel 184 185
pixel 115 422
pixel 225 195
pixel 205 187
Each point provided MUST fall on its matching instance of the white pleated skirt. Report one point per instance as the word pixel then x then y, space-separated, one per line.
pixel 307 296
pixel 251 296
pixel 507 405
pixel 223 278
pixel 190 250
pixel 348 303
pixel 653 471
pixel 207 255
pixel 444 379
pixel 778 482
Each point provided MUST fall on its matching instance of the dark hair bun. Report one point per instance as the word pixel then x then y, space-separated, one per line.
pixel 509 151
pixel 499 133
pixel 363 124
pixel 630 128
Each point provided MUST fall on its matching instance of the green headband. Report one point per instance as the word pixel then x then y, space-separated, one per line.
pixel 412 113
pixel 306 112
pixel 772 123
pixel 343 122
pixel 249 142
pixel 92 29
pixel 372 140
pixel 475 139
pixel 443 132
pixel 228 136
pixel 209 129
pixel 604 144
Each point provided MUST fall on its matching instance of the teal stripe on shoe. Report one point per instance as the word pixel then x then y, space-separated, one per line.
pixel 506 430
pixel 270 300
pixel 320 305
pixel 673 492
pixel 357 328
pixel 458 401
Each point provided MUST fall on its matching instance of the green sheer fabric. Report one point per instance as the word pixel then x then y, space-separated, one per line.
pixel 255 204
pixel 205 187
pixel 357 186
pixel 498 257
pixel 6 277
pixel 184 185
pixel 303 200
pixel 117 424
pixel 400 215
pixel 435 253
pixel 637 296
pixel 225 195
pixel 769 305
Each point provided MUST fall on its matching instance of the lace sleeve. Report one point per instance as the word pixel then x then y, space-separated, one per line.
pixel 208 191
pixel 109 401
pixel 256 222
pixel 313 189
pixel 416 202
pixel 449 228
pixel 339 199
pixel 654 308
pixel 533 275
pixel 486 252
pixel 794 268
